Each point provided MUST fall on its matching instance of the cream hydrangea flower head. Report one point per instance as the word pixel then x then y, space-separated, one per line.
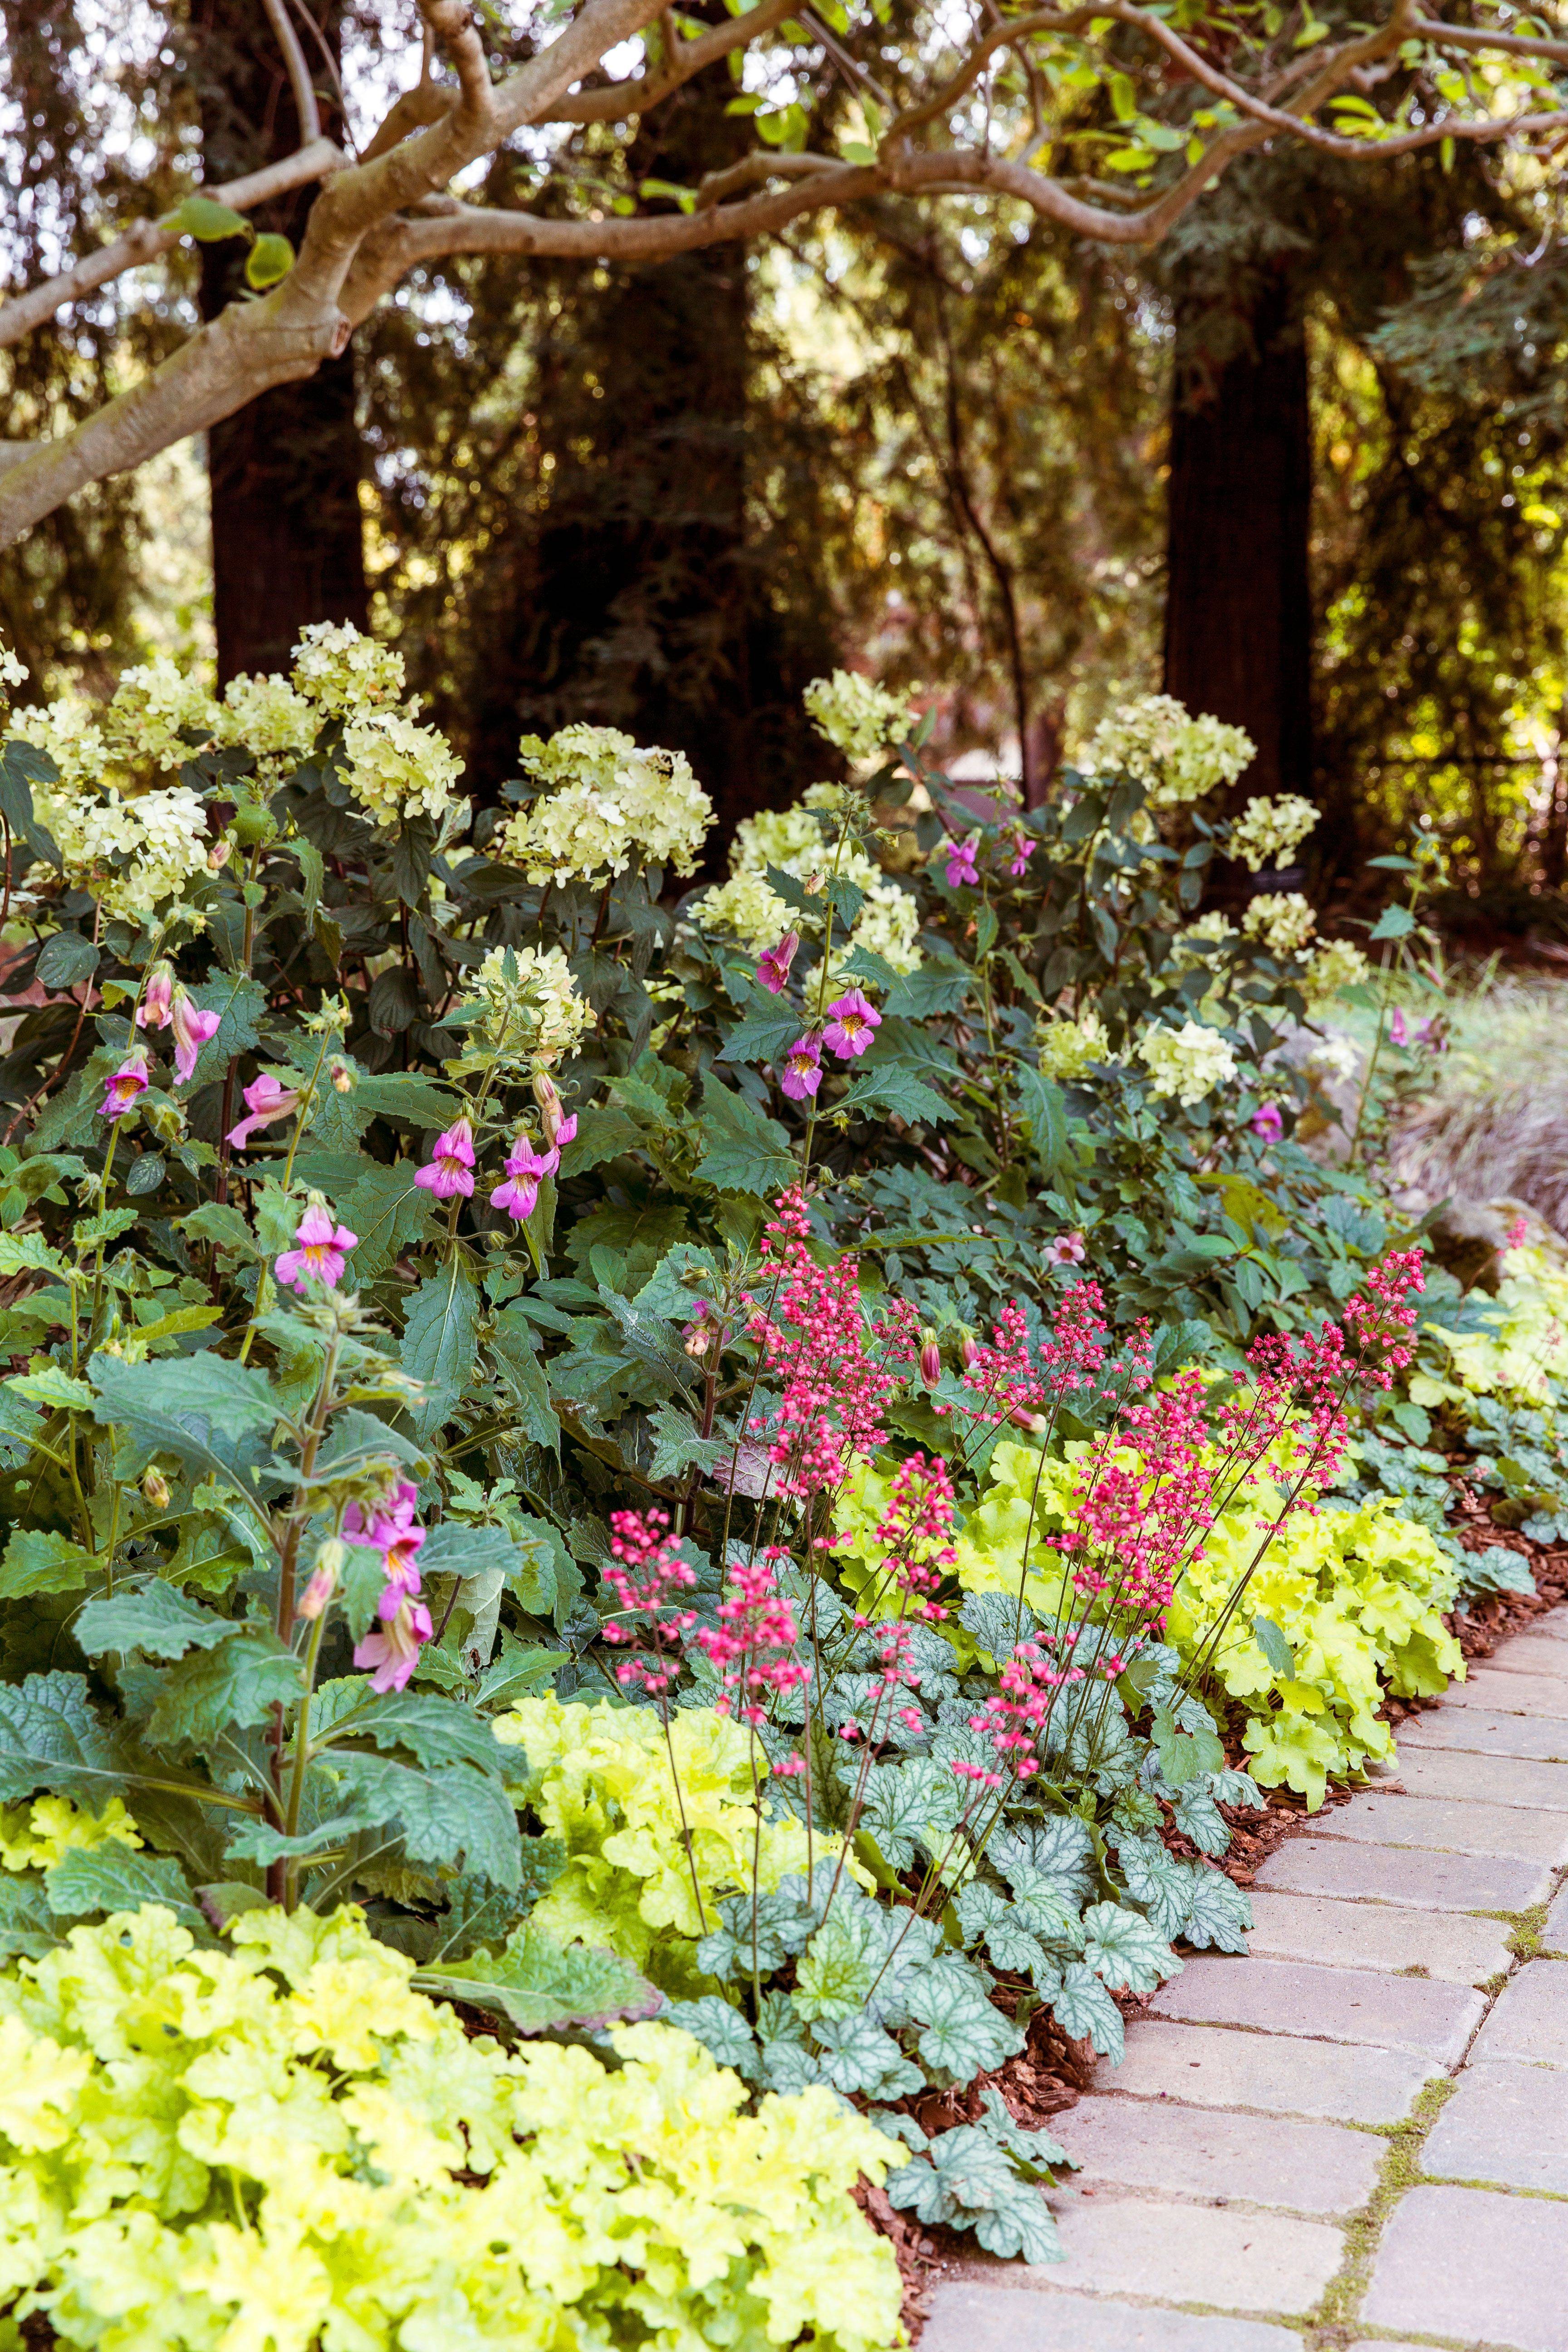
pixel 1068 1048
pixel 1282 919
pixel 1338 964
pixel 531 999
pixel 1187 1063
pixel 397 768
pixel 858 718
pixel 133 853
pixel 1211 929
pixel 268 716
pixel 1269 829
pixel 1179 758
pixel 340 670
pixel 793 840
pixel 888 925
pixel 11 672
pixel 151 704
pixel 1334 1059
pixel 748 908
pixel 70 731
pixel 608 799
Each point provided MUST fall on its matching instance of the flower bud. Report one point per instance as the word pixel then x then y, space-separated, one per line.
pixel 220 854
pixel 343 1079
pixel 155 1490
pixel 968 1347
pixel 931 1359
pixel 324 1578
pixel 813 886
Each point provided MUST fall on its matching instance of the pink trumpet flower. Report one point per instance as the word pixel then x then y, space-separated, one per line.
pixel 393 1531
pixel 801 1068
pixel 1068 1249
pixel 774 964
pixel 393 1647
pixel 852 1025
pixel 1268 1122
pixel 124 1089
pixel 265 1101
pixel 526 1169
pixel 450 1168
pixel 930 1360
pixel 152 1013
pixel 961 863
pixel 1023 850
pixel 321 1246
pixel 1398 1030
pixel 193 1027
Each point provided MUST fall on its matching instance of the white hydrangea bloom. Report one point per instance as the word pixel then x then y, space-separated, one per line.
pixel 530 996
pixel 1068 1048
pixel 268 716
pixel 888 925
pixel 745 907
pixel 1178 758
pixel 153 703
pixel 610 801
pixel 1282 919
pixel 792 839
pixel 397 768
pixel 1268 830
pixel 70 731
pixel 133 853
pixel 1211 930
pixel 858 718
pixel 11 672
pixel 340 670
pixel 1334 1060
pixel 1187 1063
pixel 1338 964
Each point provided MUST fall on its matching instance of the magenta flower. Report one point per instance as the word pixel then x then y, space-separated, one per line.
pixel 801 1068
pixel 1068 1249
pixel 152 1013
pixel 1023 850
pixel 395 1532
pixel 1268 1123
pixel 265 1101
pixel 124 1089
pixel 961 864
pixel 193 1027
pixel 852 1025
pixel 319 1248
pixel 393 1648
pixel 565 1133
pixel 1399 1034
pixel 450 1168
pixel 774 964
pixel 559 1130
pixel 526 1171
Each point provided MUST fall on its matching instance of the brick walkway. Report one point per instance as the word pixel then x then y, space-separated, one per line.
pixel 1358 2135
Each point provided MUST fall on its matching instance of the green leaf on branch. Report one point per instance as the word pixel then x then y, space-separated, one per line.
pixel 897 1089
pixel 66 958
pixel 1274 1646
pixel 114 1878
pixel 1394 923
pixel 205 219
pixel 238 1682
pixel 207 1410
pixel 1044 1106
pixel 36 1560
pixel 601 1134
pixel 27 1928
pixel 543 1987
pixel 270 259
pixel 448 1816
pixel 744 1150
pixel 1185 1754
pixel 240 1004
pixel 440 1334
pixel 157 1620
pixel 434 1730
pixel 388 1210
pixel 50 1737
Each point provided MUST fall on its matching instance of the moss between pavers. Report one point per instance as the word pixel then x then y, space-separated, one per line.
pixel 1333 2325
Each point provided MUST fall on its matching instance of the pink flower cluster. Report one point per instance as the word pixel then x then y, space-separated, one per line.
pixel 648 1573
pixel 1014 1718
pixel 914 1533
pixel 166 1005
pixel 403 1624
pixel 851 1029
pixel 814 1337
pixel 267 1100
pixel 755 1644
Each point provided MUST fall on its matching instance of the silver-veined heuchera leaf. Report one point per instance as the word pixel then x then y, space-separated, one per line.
pixel 1125 1951
pixel 964 2034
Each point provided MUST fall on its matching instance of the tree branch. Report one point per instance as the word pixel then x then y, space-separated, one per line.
pixel 617 99
pixel 299 72
pixel 148 240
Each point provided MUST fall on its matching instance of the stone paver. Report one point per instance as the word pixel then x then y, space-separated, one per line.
pixel 1487 1731
pixel 1260 2262
pixel 1206 2066
pixel 1359 2005
pixel 1506 2122
pixel 1221 2158
pixel 1531 2018
pixel 1437 1882
pixel 1486 1779
pixel 1439 1825
pixel 1512 1694
pixel 987 2318
pixel 1452 1949
pixel 1470 2265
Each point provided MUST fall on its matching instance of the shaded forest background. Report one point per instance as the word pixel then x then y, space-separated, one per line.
pixel 1304 467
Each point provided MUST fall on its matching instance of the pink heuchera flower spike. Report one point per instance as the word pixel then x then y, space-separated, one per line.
pixel 450 1169
pixel 152 1013
pixel 125 1087
pixel 802 1072
pixel 321 1246
pixel 393 1648
pixel 526 1169
pixel 193 1027
pixel 265 1100
pixel 774 964
pixel 852 1025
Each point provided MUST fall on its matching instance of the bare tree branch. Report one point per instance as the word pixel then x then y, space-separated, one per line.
pixel 299 72
pixel 616 102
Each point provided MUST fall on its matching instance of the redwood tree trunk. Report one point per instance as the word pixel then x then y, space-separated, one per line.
pixel 1239 620
pixel 285 471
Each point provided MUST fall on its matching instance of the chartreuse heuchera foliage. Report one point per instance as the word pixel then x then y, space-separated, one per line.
pixel 701 1473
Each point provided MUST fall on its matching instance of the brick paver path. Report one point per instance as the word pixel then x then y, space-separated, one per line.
pixel 1358 2135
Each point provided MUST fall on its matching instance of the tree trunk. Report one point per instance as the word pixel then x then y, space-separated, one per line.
pixel 285 470
pixel 1239 635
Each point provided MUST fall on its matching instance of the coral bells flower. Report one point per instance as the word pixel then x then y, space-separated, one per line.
pixel 123 1089
pixel 1268 1122
pixel 193 1027
pixel 646 1575
pixel 450 1168
pixel 393 1531
pixel 801 1068
pixel 1518 1232
pixel 526 1169
pixel 774 964
pixel 754 1643
pixel 393 1647
pixel 914 1534
pixel 961 862
pixel 152 1013
pixel 852 1025
pixel 321 1246
pixel 265 1101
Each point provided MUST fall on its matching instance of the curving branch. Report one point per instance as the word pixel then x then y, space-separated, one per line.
pixel 299 72
pixel 616 102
